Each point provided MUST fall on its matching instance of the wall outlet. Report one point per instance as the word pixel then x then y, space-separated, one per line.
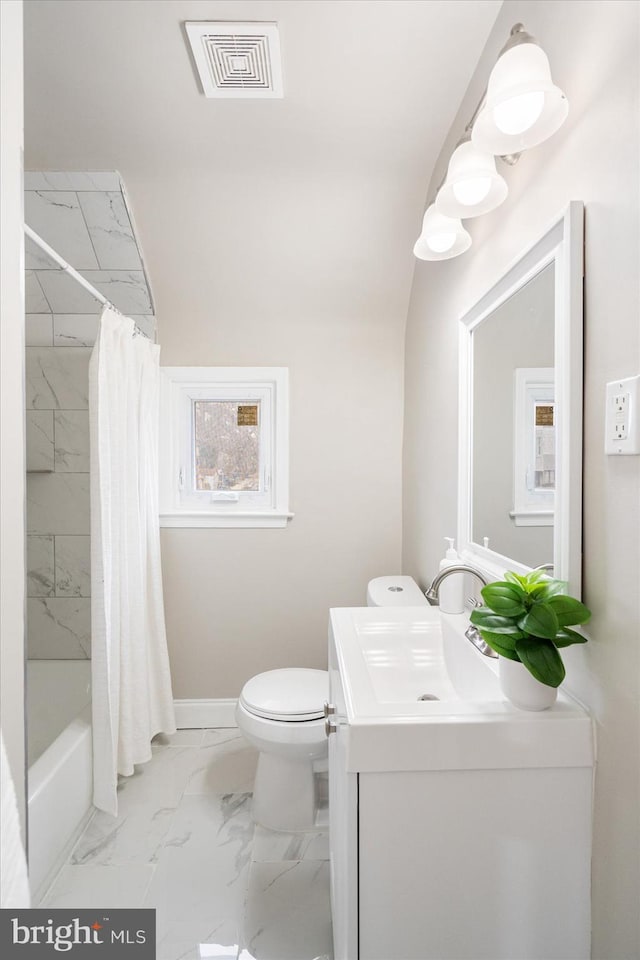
pixel 622 424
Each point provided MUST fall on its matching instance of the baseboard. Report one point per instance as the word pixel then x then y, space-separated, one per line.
pixel 205 713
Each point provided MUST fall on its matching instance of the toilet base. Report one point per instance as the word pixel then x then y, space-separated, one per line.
pixel 284 796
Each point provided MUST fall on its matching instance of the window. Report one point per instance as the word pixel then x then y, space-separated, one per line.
pixel 224 457
pixel 534 476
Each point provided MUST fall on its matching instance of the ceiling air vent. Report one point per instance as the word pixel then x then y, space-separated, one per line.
pixel 237 60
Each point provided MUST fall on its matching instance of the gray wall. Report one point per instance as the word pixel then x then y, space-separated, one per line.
pixel 593 49
pixel 241 601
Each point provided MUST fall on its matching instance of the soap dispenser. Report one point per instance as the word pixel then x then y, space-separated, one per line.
pixel 451 592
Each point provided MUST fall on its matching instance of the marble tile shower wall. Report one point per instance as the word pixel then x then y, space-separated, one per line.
pixel 84 217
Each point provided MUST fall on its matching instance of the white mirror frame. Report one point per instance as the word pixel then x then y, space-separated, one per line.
pixel 563 245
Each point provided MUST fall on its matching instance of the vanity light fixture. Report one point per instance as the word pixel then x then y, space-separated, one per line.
pixel 441 238
pixel 522 107
pixel 473 186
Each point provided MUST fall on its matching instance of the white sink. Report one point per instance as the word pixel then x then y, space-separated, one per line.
pixel 389 659
pixel 408 662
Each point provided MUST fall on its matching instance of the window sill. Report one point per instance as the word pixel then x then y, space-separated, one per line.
pixel 194 518
pixel 532 518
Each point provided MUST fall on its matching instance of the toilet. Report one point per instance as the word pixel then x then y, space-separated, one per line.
pixel 281 712
pixel 395 592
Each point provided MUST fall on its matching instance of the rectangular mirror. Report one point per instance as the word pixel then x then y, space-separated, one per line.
pixel 520 455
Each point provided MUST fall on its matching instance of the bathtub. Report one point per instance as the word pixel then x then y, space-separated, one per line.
pixel 60 765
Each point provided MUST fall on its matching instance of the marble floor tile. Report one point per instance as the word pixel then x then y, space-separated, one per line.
pixel 181 738
pixel 226 764
pixel 134 836
pixel 101 887
pixel 268 845
pixel 287 914
pixel 222 735
pixel 221 887
pixel 161 781
pixel 202 868
pixel 196 938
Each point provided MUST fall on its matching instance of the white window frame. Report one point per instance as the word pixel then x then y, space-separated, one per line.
pixel 183 506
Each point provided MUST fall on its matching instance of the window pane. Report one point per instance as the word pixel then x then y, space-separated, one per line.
pixel 226 445
pixel 545 452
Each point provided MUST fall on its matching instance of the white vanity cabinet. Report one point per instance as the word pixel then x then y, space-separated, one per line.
pixel 343 830
pixel 458 828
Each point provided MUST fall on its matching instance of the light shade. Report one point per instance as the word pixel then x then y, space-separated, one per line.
pixel 523 107
pixel 441 237
pixel 473 185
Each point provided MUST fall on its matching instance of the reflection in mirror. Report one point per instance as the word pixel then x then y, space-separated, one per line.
pixel 513 465
pixel 520 450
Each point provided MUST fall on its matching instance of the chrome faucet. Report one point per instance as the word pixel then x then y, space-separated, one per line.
pixel 471 633
pixel 432 593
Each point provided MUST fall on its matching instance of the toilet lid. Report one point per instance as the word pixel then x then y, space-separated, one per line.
pixel 291 694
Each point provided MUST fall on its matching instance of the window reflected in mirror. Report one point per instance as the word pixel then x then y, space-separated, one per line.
pixel 514 435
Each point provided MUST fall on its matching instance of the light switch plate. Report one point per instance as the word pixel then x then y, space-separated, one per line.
pixel 622 424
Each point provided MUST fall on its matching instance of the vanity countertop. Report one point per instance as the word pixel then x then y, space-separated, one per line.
pixel 389 658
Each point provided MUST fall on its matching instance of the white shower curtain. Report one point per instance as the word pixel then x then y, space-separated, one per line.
pixel 131 684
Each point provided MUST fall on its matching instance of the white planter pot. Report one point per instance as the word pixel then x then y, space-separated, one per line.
pixel 522 689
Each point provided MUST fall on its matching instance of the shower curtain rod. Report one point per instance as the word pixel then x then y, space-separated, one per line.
pixel 37 239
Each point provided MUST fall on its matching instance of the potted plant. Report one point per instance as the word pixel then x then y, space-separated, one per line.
pixel 526 619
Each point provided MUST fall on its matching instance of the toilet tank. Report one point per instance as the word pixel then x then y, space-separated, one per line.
pixel 394 592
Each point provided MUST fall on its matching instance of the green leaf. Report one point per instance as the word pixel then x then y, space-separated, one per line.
pixel 569 611
pixel 512 577
pixel 565 637
pixel 540 621
pixel 534 575
pixel 502 643
pixel 506 599
pixel 547 588
pixel 541 659
pixel 485 618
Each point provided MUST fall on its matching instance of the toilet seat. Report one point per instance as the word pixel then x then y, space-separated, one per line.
pixel 292 695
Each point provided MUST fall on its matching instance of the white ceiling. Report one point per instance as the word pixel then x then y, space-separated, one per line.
pixel 337 169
